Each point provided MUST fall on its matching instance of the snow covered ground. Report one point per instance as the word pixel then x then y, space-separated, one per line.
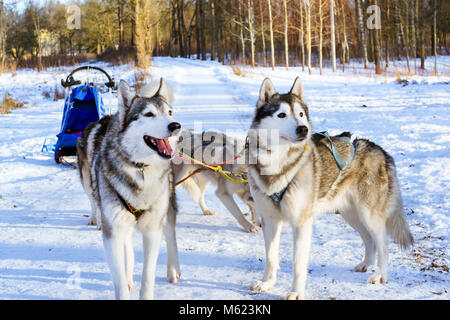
pixel 47 250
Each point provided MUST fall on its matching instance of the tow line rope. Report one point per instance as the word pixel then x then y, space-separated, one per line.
pixel 216 167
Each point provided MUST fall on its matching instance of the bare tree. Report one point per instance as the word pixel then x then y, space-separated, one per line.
pixel 120 18
pixel 272 46
pixel 363 33
pixel 402 33
pixel 2 36
pixel 146 15
pixel 251 31
pixel 320 4
pixel 308 32
pixel 202 28
pixel 241 31
pixel 286 35
pixel 263 31
pixel 332 36
pixel 377 46
pixel 434 37
pixel 36 16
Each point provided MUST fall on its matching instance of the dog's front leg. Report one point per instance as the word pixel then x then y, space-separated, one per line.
pixel 302 243
pixel 129 258
pixel 152 240
pixel 173 265
pixel 114 245
pixel 228 201
pixel 272 232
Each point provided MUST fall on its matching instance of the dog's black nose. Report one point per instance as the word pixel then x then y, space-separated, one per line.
pixel 173 126
pixel 302 131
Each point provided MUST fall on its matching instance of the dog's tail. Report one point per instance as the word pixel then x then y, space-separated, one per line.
pixel 396 224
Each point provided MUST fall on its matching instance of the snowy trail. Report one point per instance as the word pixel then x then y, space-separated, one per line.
pixel 47 251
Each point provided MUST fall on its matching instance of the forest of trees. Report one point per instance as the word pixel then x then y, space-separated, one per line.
pixel 306 33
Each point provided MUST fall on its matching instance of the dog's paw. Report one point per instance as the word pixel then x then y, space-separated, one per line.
pixel 250 228
pixel 261 286
pixel 362 267
pixel 377 278
pixel 294 296
pixel 173 278
pixel 92 222
pixel 208 213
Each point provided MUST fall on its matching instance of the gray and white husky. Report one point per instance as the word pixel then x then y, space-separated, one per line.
pixel 215 147
pixel 125 169
pixel 295 175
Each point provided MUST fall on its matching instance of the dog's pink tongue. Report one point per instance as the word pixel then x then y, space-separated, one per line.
pixel 164 145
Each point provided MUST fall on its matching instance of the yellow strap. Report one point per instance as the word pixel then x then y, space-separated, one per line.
pixel 214 168
pixel 225 175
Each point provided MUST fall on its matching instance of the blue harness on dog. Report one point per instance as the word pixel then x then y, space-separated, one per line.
pixel 340 161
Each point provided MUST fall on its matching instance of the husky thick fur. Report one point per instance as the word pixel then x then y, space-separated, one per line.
pixel 125 168
pixel 301 164
pixel 215 147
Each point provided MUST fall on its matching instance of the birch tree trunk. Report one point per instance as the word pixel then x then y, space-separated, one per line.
pixel 320 35
pixel 301 35
pixel 363 33
pixel 241 32
pixel 272 46
pixel 251 31
pixel 332 36
pixel 286 38
pixel 387 31
pixel 308 32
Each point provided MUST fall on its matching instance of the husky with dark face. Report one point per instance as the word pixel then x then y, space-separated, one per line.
pixel 125 170
pixel 296 175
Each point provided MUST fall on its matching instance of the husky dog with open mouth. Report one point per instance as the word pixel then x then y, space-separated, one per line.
pixel 125 170
pixel 296 175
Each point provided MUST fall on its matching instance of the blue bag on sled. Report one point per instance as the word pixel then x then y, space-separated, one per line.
pixel 83 104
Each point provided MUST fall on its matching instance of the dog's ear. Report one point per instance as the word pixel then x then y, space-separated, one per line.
pixel 266 92
pixel 297 88
pixel 125 95
pixel 164 91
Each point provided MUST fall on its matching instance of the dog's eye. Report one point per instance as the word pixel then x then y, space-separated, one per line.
pixel 170 113
pixel 149 114
pixel 281 115
pixel 301 114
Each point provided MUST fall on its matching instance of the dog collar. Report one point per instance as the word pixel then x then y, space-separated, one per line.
pixel 140 165
pixel 137 213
